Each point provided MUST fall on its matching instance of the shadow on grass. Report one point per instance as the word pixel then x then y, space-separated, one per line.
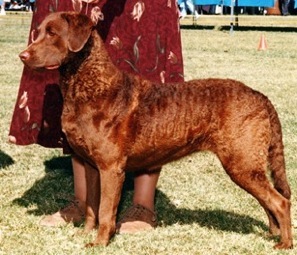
pixel 51 193
pixel 219 219
pixel 5 160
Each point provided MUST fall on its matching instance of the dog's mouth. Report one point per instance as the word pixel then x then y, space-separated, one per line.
pixel 35 64
pixel 52 67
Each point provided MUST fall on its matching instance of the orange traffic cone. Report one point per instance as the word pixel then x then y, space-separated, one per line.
pixel 262 43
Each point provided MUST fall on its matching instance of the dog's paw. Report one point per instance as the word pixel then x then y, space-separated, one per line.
pixel 81 232
pixel 90 245
pixel 94 244
pixel 283 245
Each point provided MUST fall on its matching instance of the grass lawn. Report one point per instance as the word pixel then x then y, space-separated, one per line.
pixel 200 210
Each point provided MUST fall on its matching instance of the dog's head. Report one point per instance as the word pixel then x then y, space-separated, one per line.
pixel 58 34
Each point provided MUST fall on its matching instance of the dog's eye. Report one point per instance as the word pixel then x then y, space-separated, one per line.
pixel 50 32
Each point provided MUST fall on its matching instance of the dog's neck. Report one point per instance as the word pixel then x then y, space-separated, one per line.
pixel 93 58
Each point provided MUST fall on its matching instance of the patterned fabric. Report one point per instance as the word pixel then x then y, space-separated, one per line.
pixel 141 36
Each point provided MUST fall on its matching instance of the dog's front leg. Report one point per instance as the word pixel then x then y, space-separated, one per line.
pixel 111 183
pixel 93 197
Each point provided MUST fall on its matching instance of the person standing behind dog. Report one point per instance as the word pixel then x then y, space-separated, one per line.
pixel 2 7
pixel 142 37
pixel 186 5
pixel 31 5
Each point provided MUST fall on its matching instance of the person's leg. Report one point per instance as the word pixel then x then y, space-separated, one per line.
pixel 2 9
pixel 145 188
pixel 285 7
pixel 183 9
pixel 79 179
pixel 190 5
pixel 141 216
pixel 75 211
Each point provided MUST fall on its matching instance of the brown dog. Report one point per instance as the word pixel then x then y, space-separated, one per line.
pixel 119 122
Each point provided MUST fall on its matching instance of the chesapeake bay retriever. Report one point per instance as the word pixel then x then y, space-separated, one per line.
pixel 120 122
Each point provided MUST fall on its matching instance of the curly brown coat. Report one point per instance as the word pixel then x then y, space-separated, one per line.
pixel 119 122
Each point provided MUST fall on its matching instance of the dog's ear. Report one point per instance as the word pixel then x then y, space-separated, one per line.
pixel 80 28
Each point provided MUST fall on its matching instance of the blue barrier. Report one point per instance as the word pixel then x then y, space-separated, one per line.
pixel 259 3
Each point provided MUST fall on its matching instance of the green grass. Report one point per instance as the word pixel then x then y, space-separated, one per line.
pixel 200 210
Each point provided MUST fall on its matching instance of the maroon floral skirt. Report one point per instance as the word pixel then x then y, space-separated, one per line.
pixel 141 36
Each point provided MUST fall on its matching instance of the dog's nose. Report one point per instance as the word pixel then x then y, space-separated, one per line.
pixel 24 55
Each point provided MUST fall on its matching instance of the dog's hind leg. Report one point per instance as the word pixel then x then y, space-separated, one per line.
pixel 274 228
pixel 276 154
pixel 254 180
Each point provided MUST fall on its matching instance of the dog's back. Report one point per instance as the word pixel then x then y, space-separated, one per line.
pixel 174 120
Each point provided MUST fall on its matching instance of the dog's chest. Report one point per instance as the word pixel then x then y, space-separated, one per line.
pixel 89 132
pixel 75 125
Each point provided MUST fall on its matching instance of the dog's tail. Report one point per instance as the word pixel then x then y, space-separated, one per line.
pixel 276 154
